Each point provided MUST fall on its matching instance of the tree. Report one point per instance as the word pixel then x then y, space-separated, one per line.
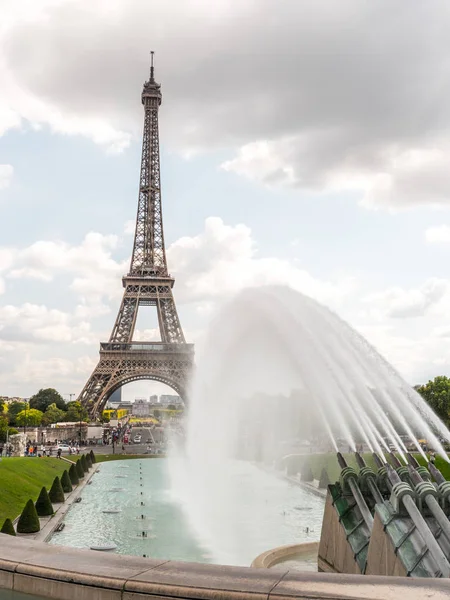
pixel 76 412
pixel 437 395
pixel 56 493
pixel 28 520
pixel 84 463
pixel 3 428
pixel 43 504
pixel 66 484
pixel 172 407
pixel 156 413
pixel 73 475
pixel 53 414
pixel 42 400
pixel 14 409
pixel 8 528
pixel 80 470
pixel 29 418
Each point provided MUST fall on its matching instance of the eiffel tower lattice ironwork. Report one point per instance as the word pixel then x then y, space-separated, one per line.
pixel 148 283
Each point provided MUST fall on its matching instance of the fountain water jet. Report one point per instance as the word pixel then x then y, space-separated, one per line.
pixel 277 365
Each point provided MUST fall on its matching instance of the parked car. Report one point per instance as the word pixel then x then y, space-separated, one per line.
pixel 63 447
pixel 137 439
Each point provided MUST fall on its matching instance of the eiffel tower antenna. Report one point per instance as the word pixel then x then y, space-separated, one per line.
pixel 152 68
pixel 148 283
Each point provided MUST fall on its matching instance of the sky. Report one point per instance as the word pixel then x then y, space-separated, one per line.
pixel 302 143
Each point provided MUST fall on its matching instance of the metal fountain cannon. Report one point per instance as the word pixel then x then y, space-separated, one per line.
pixel 389 521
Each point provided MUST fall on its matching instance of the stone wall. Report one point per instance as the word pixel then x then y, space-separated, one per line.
pixel 335 553
pixel 382 558
pixel 18 443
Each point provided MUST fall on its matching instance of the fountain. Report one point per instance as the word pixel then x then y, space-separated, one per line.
pixel 275 366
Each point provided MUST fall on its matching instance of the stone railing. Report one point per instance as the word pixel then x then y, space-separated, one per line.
pixel 70 574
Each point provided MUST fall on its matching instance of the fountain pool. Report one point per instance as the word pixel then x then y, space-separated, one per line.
pixel 270 512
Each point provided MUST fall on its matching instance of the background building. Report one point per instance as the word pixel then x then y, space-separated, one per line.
pixel 141 407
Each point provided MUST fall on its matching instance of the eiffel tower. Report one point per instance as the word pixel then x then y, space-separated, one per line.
pixel 148 283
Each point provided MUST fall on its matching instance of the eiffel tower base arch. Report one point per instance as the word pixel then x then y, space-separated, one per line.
pixel 120 364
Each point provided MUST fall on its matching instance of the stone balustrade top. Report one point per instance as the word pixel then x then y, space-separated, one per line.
pixel 68 573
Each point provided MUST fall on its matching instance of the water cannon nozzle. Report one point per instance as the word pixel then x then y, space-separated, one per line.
pixel 341 460
pixel 394 460
pixel 379 463
pixel 412 461
pixel 360 461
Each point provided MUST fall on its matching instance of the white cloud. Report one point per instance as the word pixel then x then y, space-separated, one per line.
pixel 298 104
pixel 6 175
pixel 96 273
pixel 438 235
pixel 224 259
pixel 399 303
pixel 30 322
pixel 53 371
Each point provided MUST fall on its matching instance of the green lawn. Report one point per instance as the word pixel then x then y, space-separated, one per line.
pixel 22 479
pixel 329 461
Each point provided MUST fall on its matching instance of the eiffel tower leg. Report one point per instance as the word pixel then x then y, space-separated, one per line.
pixel 170 321
pixel 93 392
pixel 126 320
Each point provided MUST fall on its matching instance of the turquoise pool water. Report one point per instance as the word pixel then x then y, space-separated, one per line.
pixel 270 512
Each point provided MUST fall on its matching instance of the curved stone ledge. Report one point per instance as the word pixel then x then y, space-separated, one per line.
pixel 71 574
pixel 278 555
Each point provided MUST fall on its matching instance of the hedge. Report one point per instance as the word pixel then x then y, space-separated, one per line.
pixel 56 493
pixel 43 504
pixel 28 520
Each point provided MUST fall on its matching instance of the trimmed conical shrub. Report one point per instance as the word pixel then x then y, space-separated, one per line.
pixel 43 504
pixel 66 483
pixel 93 459
pixel 306 474
pixel 73 475
pixel 324 480
pixel 88 461
pixel 8 528
pixel 80 470
pixel 56 493
pixel 84 464
pixel 28 520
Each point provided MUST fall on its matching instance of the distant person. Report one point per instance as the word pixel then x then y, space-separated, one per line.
pixel 432 457
pixel 58 454
pixel 1 450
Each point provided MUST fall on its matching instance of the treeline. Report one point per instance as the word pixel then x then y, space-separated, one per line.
pixel 44 408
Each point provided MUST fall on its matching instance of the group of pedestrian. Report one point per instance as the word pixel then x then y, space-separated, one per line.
pixel 6 449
